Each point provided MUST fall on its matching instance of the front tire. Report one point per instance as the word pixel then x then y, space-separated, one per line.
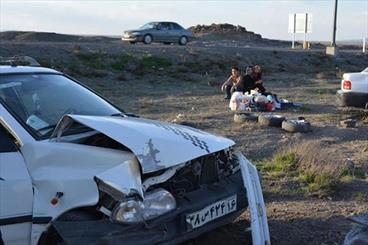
pixel 147 39
pixel 183 40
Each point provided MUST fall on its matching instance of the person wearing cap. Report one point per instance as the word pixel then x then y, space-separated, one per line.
pixel 234 83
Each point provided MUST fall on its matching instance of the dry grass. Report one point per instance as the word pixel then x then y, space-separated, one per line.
pixel 315 158
pixel 314 166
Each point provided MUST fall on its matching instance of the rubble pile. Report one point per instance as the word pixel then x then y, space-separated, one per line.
pixel 224 30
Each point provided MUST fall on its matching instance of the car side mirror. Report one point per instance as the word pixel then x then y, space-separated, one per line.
pixel 158 28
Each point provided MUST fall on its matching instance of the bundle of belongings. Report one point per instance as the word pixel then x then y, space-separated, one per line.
pixel 247 93
pixel 253 101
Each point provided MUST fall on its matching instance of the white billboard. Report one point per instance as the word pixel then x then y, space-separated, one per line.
pixel 300 23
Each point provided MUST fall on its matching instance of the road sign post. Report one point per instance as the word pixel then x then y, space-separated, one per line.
pixel 300 23
pixel 332 50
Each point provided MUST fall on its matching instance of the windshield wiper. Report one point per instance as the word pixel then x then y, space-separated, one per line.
pixel 49 127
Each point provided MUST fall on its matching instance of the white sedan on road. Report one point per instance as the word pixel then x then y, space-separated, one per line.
pixel 354 89
pixel 75 169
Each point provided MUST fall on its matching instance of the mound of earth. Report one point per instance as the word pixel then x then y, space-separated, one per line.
pixel 224 31
pixel 26 36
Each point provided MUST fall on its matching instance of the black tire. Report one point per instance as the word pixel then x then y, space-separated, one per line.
pixel 271 120
pixel 183 40
pixel 147 39
pixel 295 126
pixel 245 117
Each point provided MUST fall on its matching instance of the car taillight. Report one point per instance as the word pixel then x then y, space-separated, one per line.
pixel 346 84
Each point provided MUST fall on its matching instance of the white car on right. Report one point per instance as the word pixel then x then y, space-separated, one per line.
pixel 354 89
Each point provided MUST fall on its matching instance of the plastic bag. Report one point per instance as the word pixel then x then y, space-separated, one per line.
pixel 235 100
pixel 261 99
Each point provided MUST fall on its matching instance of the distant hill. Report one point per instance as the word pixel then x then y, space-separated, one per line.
pixel 29 36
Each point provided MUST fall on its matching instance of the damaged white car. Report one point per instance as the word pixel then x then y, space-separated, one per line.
pixel 75 169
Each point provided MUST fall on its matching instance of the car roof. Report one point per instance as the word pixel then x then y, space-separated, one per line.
pixel 5 69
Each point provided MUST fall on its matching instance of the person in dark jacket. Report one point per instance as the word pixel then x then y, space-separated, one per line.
pixel 249 79
pixel 234 83
pixel 253 79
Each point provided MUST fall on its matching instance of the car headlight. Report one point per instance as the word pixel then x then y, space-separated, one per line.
pixel 155 203
pixel 135 34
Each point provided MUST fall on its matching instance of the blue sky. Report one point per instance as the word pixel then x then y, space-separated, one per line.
pixel 112 17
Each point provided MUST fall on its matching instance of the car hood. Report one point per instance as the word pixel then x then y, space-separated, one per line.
pixel 157 145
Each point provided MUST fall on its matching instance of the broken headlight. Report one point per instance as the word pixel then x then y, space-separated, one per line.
pixel 155 203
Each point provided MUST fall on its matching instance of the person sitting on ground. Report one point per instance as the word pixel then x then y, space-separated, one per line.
pixel 249 80
pixel 257 76
pixel 258 73
pixel 234 83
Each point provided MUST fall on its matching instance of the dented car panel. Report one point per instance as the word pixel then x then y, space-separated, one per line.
pixel 61 167
pixel 157 145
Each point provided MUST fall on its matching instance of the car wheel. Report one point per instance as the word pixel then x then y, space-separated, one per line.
pixel 295 126
pixel 183 40
pixel 271 120
pixel 245 117
pixel 147 39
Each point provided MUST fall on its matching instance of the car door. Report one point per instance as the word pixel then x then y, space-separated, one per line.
pixel 175 32
pixel 365 80
pixel 162 33
pixel 16 194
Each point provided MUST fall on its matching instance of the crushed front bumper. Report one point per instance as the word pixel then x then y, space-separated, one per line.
pixel 173 228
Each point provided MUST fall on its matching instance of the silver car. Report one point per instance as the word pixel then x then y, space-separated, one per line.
pixel 164 32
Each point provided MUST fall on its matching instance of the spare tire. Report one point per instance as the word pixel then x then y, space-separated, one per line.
pixel 244 117
pixel 271 120
pixel 294 126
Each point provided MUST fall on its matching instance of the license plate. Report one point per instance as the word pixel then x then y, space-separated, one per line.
pixel 211 212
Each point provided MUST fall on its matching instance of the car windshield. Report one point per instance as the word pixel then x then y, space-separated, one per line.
pixel 40 100
pixel 148 26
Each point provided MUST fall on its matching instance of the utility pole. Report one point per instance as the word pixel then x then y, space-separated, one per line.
pixel 332 50
pixel 333 44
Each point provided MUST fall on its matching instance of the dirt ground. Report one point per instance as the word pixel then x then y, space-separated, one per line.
pixel 189 93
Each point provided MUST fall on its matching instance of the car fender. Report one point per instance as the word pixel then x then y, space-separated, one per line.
pixel 74 171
